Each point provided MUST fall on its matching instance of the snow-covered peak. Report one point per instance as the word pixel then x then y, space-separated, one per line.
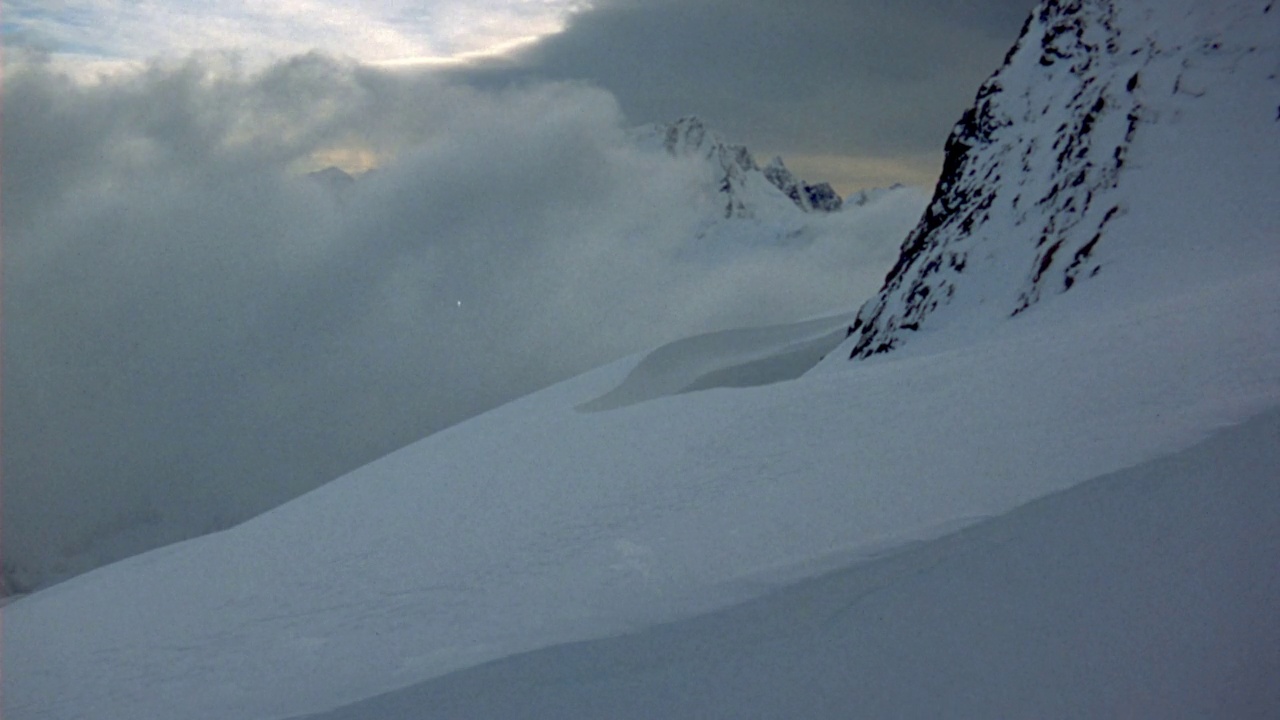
pixel 689 136
pixel 1065 139
pixel 745 190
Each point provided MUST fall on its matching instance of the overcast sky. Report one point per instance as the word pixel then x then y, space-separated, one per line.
pixel 856 92
pixel 194 332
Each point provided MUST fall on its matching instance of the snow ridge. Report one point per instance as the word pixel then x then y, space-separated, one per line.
pixel 1030 172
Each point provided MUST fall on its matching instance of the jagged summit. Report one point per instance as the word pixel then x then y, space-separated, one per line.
pixel 1034 173
pixel 821 197
pixel 689 137
pixel 738 178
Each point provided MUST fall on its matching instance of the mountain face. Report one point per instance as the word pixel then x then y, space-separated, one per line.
pixel 1034 172
pixel 821 197
pixel 743 187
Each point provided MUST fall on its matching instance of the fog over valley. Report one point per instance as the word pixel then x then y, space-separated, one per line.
pixel 197 327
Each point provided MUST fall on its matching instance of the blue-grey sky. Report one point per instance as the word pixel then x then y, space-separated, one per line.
pixel 857 92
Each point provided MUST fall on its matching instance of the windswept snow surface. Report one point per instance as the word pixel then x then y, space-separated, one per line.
pixel 1152 592
pixel 538 524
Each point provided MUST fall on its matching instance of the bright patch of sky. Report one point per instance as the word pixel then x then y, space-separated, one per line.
pixel 89 33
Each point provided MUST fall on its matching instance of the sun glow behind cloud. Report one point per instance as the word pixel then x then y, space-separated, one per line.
pixel 92 37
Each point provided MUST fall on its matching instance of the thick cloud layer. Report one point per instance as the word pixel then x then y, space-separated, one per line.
pixel 195 330
pixel 858 92
pixel 874 82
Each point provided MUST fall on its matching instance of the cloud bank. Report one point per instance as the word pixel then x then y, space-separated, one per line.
pixel 858 92
pixel 195 331
pixel 868 87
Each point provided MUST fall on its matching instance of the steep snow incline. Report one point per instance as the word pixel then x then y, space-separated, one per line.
pixel 536 524
pixel 1148 593
pixel 1161 111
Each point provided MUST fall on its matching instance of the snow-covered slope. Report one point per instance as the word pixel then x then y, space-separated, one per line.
pixel 1151 592
pixel 627 497
pixel 537 524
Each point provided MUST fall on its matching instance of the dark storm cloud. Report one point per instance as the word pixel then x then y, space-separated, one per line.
pixel 851 77
pixel 194 332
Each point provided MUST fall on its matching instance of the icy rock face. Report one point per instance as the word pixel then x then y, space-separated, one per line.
pixel 736 171
pixel 821 197
pixel 689 137
pixel 1031 171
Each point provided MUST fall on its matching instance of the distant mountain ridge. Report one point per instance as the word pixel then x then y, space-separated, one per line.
pixel 743 185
